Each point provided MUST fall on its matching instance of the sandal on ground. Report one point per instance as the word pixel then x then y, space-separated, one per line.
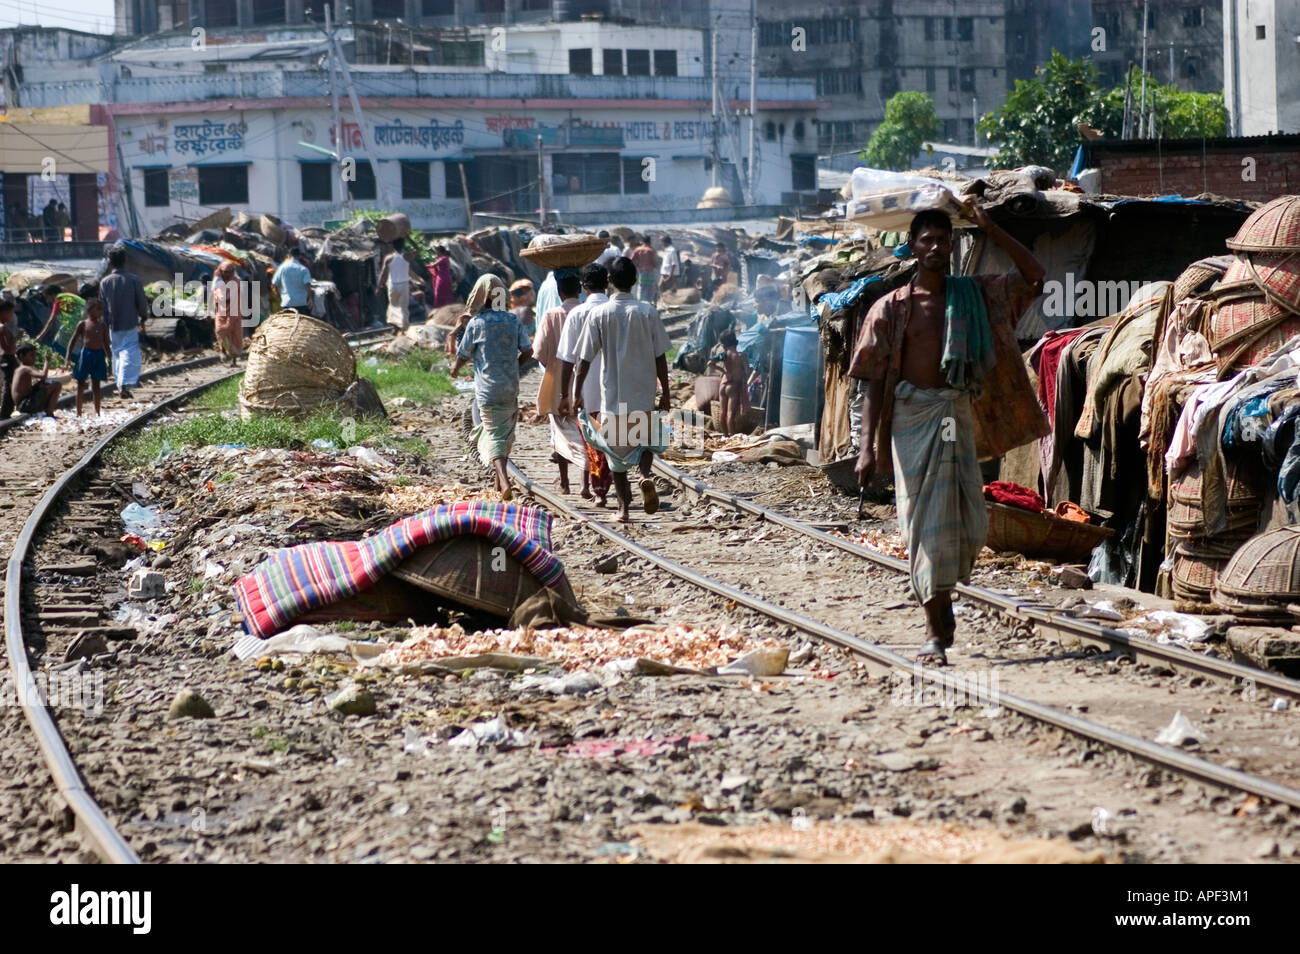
pixel 649 495
pixel 933 651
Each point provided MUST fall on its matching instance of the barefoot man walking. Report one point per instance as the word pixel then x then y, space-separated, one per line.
pixel 929 352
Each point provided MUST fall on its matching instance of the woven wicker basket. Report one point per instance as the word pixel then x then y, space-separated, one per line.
pixel 295 364
pixel 1194 576
pixel 1266 567
pixel 1045 535
pixel 467 570
pixel 574 252
pixel 1273 227
pixel 1278 277
pixel 1233 335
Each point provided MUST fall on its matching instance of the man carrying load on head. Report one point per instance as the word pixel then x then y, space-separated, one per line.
pixel 928 352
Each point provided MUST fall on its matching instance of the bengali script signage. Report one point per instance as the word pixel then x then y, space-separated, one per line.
pixel 200 139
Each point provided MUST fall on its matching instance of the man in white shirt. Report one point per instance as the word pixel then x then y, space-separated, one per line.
pixel 631 339
pixel 670 267
pixel 613 249
pixel 595 477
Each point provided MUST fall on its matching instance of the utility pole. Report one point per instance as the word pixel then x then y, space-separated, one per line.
pixel 1142 108
pixel 975 120
pixel 541 183
pixel 334 105
pixel 713 57
pixel 752 198
pixel 356 112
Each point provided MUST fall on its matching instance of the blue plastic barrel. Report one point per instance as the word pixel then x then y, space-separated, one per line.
pixel 800 376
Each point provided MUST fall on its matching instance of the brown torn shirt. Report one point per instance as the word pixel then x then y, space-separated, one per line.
pixel 1006 413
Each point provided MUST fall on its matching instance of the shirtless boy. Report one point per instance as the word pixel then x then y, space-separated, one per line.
pixel 92 362
pixel 735 376
pixel 34 392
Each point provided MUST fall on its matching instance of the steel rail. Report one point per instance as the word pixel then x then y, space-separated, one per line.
pixel 1163 756
pixel 1138 647
pixel 106 841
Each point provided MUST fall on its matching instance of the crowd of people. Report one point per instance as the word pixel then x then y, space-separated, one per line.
pixel 50 225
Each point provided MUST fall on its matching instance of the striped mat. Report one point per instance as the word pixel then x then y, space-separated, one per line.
pixel 292 581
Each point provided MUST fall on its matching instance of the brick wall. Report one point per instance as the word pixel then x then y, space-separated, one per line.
pixel 1219 170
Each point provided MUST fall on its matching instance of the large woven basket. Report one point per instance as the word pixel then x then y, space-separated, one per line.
pixel 295 365
pixel 1265 568
pixel 1199 276
pixel 467 569
pixel 1277 276
pixel 571 251
pixel 1273 227
pixel 1194 574
pixel 1236 335
pixel 1044 535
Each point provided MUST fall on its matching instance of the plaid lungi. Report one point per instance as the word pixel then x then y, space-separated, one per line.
pixel 939 490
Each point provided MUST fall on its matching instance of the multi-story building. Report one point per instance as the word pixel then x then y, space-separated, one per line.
pixel 1261 54
pixel 1184 41
pixel 245 120
pixel 965 54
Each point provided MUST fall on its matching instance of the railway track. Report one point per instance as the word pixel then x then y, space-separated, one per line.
pixel 32 475
pixel 1171 759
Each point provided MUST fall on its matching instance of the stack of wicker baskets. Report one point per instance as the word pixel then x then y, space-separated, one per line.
pixel 1200 556
pixel 564 251
pixel 1257 303
pixel 1263 577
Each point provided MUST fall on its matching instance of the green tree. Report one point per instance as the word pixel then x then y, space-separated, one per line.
pixel 1039 122
pixel 910 120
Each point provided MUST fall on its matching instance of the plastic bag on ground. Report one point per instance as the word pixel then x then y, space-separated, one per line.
pixel 140 520
pixel 494 732
pixel 1179 732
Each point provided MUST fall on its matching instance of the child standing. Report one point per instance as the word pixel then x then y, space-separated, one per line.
pixel 92 362
pixel 733 396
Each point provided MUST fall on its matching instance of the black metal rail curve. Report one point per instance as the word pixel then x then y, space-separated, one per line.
pixel 1163 756
pixel 1035 614
pixel 104 839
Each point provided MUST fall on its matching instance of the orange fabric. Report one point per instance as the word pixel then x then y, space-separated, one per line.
pixel 1072 511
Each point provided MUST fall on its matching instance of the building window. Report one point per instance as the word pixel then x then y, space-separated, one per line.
pixel 223 185
pixel 634 183
pixel 451 184
pixel 968 130
pixel 1019 43
pixel 665 62
pixel 363 187
pixel 798 129
pixel 638 62
pixel 587 173
pixel 931 33
pixel 952 80
pixel 965 28
pixel 1193 17
pixel 968 81
pixel 1190 69
pixel 1261 32
pixel 769 131
pixel 888 85
pixel 803 173
pixel 268 11
pixel 415 180
pixel 929 79
pixel 156 192
pixel 220 13
pixel 438 8
pixel 387 9
pixel 580 62
pixel 950 130
pixel 612 62
pixel 317 181
pixel 836 82
pixel 947 28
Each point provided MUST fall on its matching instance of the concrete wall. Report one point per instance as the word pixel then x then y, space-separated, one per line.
pixel 545 49
pixel 1262 75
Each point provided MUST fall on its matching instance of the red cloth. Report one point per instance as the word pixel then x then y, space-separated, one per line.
pixel 1049 360
pixel 1013 495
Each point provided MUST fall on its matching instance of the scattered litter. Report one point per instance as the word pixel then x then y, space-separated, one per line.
pixel 613 748
pixel 144 623
pixel 352 700
pixel 146 585
pixel 725 457
pixel 579 647
pixel 1179 732
pixel 417 499
pixel 369 457
pixel 1169 627
pixel 324 444
pixel 296 639
pixel 494 732
pixel 768 661
pixel 1280 705
pixel 1103 610
pixel 413 743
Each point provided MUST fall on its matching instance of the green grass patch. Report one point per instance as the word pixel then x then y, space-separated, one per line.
pixel 223 396
pixel 420 375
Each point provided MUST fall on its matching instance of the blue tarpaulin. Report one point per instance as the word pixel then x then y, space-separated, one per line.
pixel 837 300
